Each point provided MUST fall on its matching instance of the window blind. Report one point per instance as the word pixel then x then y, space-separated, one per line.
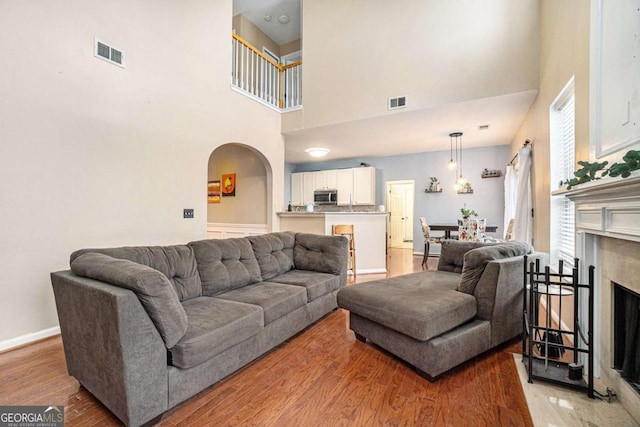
pixel 562 144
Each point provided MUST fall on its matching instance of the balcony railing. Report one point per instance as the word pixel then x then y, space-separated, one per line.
pixel 259 76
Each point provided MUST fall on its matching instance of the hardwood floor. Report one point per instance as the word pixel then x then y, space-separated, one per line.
pixel 321 377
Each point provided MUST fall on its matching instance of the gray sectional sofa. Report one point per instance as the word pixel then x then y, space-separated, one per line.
pixel 436 320
pixel 145 328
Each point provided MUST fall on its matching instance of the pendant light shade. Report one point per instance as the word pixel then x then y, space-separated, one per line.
pixel 452 163
pixel 457 163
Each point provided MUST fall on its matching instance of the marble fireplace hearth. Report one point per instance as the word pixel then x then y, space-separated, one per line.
pixel 608 237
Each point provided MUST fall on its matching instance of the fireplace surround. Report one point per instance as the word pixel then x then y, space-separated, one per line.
pixel 608 237
pixel 626 335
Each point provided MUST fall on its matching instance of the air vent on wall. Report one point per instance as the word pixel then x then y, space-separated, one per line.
pixel 398 102
pixel 108 53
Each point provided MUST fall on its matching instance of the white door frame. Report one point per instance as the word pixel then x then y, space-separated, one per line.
pixel 389 184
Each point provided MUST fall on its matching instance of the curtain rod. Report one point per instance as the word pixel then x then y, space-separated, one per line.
pixel 526 144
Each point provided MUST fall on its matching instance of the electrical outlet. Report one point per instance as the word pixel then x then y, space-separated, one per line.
pixel 187 213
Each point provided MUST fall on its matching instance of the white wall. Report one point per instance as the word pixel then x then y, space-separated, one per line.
pixel 95 155
pixel 439 208
pixel 357 54
pixel 564 52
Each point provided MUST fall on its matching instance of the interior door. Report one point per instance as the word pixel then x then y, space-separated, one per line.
pixel 400 208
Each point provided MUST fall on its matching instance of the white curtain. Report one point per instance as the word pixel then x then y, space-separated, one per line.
pixel 510 195
pixel 523 224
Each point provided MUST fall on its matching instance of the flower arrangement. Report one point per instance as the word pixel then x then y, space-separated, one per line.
pixel 466 213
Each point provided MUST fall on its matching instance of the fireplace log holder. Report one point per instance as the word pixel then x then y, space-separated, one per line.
pixel 543 343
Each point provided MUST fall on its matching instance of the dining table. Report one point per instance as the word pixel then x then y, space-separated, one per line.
pixel 448 228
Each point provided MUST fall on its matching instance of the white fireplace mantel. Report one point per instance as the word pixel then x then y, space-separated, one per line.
pixel 608 207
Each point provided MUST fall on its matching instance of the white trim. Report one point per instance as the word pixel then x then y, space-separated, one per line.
pixel 596 150
pixel 271 55
pixel 225 230
pixel 370 271
pixel 255 98
pixel 29 338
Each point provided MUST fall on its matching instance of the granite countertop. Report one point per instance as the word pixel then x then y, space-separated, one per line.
pixel 317 214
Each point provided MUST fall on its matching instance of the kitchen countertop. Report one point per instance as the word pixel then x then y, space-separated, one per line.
pixel 321 214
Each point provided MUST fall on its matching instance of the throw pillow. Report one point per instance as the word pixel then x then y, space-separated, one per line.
pixel 152 288
pixel 476 260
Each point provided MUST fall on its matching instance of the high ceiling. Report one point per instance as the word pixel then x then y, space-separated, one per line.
pixel 256 11
pixel 416 131
pixel 405 131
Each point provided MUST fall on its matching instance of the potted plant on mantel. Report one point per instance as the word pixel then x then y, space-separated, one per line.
pixel 591 171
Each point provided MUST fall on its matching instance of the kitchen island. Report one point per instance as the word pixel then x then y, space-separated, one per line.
pixel 370 229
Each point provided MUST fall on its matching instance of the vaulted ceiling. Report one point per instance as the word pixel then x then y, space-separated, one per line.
pixel 462 65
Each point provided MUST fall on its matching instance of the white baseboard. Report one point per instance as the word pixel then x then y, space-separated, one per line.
pixel 370 271
pixel 28 338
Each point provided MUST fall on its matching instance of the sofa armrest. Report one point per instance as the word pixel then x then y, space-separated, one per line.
pixel 325 254
pixel 499 295
pixel 112 347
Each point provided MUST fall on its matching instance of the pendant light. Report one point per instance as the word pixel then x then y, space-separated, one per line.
pixel 460 179
pixel 452 163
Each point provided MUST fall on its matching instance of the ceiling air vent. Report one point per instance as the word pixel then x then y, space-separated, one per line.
pixel 398 102
pixel 108 53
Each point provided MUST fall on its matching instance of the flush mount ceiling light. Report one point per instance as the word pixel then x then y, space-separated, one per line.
pixel 317 151
pixel 267 18
pixel 284 19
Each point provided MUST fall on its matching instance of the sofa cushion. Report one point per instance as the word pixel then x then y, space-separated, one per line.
pixel 476 260
pixel 225 264
pixel 316 284
pixel 152 288
pixel 420 305
pixel 326 254
pixel 276 299
pixel 452 254
pixel 215 325
pixel 274 252
pixel 176 262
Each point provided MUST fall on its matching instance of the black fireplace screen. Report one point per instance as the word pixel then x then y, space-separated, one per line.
pixel 626 335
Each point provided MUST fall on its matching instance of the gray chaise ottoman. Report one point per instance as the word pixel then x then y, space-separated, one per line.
pixel 436 320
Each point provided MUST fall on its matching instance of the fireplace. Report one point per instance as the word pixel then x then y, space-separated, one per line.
pixel 608 237
pixel 626 335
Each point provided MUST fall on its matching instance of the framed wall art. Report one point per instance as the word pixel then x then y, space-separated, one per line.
pixel 213 191
pixel 229 185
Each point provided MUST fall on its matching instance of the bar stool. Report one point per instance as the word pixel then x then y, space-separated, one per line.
pixel 347 231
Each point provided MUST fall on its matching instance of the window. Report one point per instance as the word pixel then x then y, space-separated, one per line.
pixel 562 153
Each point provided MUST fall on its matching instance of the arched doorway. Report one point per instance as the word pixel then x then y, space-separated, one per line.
pixel 247 210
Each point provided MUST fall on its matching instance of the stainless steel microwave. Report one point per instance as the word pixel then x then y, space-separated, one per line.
pixel 325 197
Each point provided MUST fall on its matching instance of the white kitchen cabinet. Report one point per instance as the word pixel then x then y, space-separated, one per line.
pixel 364 186
pixel 344 185
pixel 308 186
pixel 325 180
pixel 296 188
pixel 302 186
pixel 355 185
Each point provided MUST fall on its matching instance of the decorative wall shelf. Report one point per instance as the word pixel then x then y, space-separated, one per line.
pixel 432 191
pixel 465 192
pixel 496 173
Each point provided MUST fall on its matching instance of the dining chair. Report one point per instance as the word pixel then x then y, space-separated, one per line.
pixel 508 235
pixel 346 230
pixel 428 239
